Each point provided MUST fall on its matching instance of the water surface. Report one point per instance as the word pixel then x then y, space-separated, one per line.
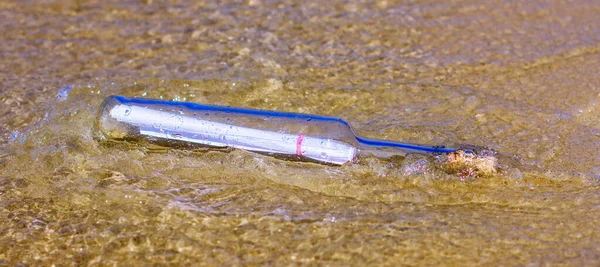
pixel 520 78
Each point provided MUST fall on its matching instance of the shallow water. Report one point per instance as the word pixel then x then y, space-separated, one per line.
pixel 520 78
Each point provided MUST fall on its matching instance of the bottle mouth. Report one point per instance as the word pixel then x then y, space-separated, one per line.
pixel 410 148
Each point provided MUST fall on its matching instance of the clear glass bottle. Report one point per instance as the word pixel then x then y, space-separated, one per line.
pixel 292 135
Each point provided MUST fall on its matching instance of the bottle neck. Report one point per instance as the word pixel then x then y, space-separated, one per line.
pixel 386 149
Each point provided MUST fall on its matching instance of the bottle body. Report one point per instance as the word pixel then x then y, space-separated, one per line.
pixel 310 137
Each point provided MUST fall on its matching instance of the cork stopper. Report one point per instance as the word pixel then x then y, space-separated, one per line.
pixel 467 163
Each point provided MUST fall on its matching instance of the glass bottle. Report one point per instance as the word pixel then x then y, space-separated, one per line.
pixel 291 135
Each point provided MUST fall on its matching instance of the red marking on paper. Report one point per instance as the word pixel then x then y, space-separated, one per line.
pixel 299 145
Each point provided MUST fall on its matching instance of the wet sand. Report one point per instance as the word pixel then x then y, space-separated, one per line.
pixel 520 78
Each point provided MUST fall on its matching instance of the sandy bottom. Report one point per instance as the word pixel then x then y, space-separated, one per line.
pixel 519 78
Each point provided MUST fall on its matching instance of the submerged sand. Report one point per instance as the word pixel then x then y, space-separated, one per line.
pixel 518 77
